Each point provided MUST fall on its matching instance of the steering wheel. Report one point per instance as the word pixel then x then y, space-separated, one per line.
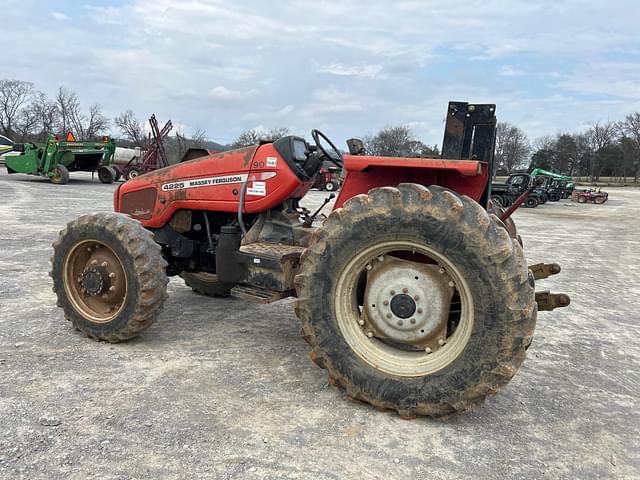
pixel 333 155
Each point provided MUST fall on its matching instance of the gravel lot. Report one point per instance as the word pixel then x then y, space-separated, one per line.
pixel 224 389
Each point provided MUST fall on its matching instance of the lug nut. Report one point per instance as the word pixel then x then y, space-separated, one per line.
pixel 416 298
pixel 452 284
pixel 111 274
pixel 112 288
pixel 441 271
pixel 368 267
pixel 419 310
pixel 413 321
pixel 388 315
pixel 361 322
pixel 94 262
pixel 392 292
pixel 441 341
pixel 427 350
pixel 80 279
pixel 381 258
pixel 405 290
pixel 399 323
pixel 370 334
pixel 104 264
pixel 386 302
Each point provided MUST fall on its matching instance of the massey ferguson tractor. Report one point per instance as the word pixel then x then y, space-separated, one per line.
pixel 412 293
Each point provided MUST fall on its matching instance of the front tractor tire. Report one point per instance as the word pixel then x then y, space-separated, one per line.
pixel 206 284
pixel 109 276
pixel 417 300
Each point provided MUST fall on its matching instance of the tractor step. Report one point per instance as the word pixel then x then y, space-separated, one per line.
pixel 258 294
pixel 266 251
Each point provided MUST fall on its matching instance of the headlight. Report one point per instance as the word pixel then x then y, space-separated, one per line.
pixel 139 204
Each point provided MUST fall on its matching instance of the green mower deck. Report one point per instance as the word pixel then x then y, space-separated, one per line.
pixel 56 159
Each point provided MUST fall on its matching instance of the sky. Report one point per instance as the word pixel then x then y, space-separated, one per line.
pixel 348 67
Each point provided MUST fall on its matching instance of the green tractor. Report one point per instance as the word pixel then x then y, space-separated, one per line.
pixel 560 186
pixel 55 159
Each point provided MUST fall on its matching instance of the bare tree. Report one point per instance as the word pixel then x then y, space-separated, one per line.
pixel 255 135
pixel 96 123
pixel 600 135
pixel 546 142
pixel 630 127
pixel 68 107
pixel 14 94
pixel 184 143
pixel 46 114
pixel 395 141
pixel 512 148
pixel 132 128
pixel 84 127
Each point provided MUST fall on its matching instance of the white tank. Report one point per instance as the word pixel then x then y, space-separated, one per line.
pixel 124 155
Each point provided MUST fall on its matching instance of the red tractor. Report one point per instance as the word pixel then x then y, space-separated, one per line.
pixel 412 294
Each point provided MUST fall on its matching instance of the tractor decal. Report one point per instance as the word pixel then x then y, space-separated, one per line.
pixel 204 182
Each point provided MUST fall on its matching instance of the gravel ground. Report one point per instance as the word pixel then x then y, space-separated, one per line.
pixel 224 389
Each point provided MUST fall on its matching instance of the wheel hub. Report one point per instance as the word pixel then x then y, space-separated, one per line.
pixel 402 306
pixel 407 302
pixel 94 280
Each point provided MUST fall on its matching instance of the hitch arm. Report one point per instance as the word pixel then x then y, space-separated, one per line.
pixel 547 301
pixel 520 200
pixel 544 270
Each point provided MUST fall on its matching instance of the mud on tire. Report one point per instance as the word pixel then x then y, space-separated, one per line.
pixel 139 264
pixel 493 265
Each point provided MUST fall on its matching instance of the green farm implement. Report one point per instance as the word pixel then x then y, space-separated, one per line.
pixel 559 186
pixel 55 159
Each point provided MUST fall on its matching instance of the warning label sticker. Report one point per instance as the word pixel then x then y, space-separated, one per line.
pixel 257 188
pixel 204 182
pixel 272 161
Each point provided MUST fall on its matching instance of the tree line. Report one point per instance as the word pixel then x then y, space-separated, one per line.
pixel 610 149
pixel 605 149
pixel 28 115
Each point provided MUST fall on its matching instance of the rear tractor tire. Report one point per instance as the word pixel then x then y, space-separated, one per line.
pixel 397 298
pixel 582 199
pixel 109 276
pixel 206 284
pixel 107 174
pixel 60 175
pixel 531 202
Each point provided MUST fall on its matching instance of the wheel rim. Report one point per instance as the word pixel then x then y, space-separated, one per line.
pixel 391 353
pixel 95 281
pixel 133 174
pixel 56 175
